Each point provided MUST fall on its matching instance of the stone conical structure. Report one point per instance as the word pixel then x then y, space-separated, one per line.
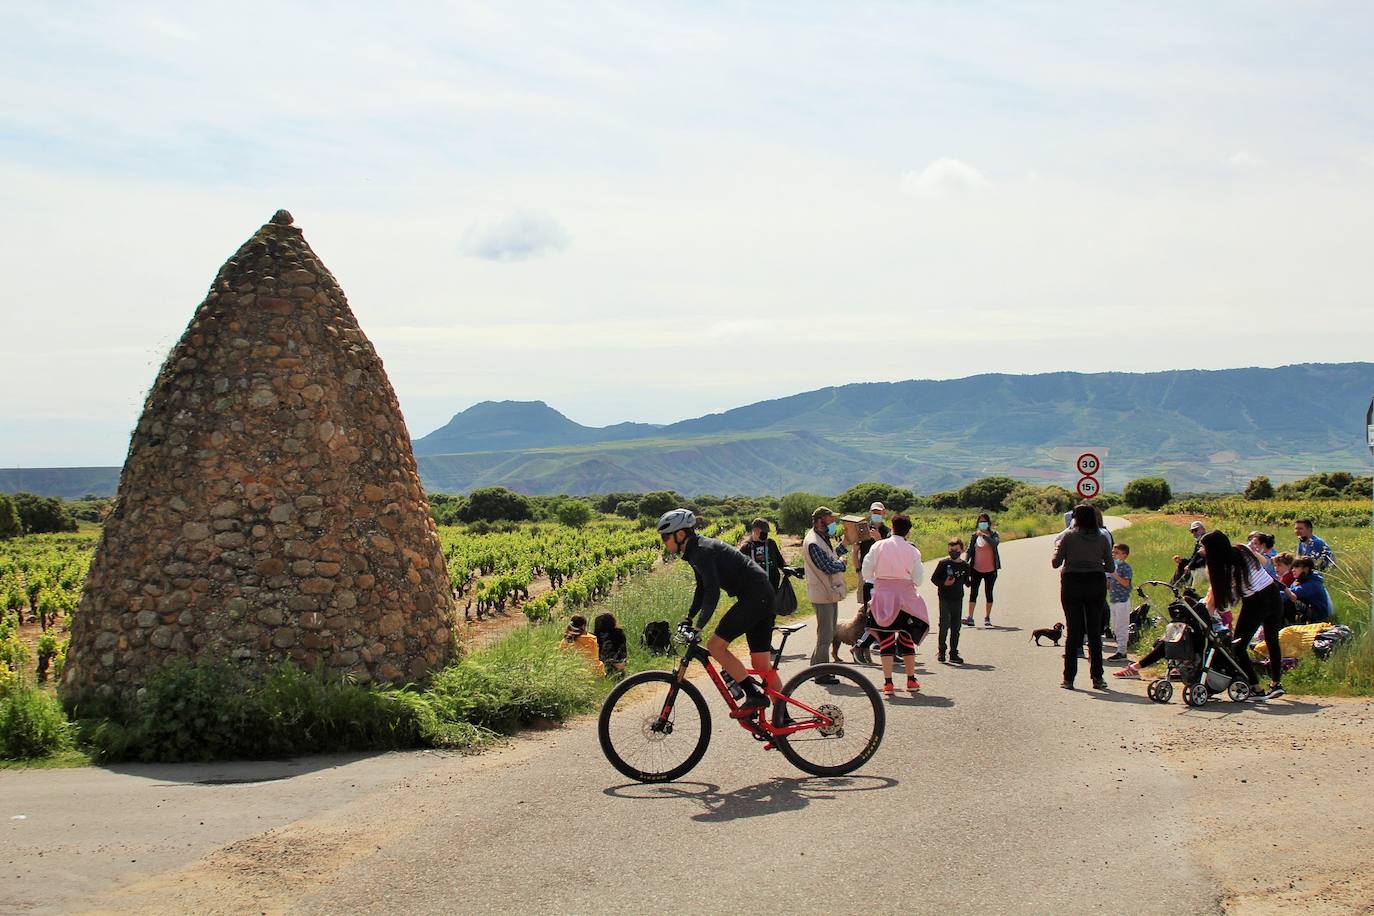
pixel 269 507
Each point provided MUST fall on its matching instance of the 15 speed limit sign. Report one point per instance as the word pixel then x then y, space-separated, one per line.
pixel 1088 487
pixel 1088 464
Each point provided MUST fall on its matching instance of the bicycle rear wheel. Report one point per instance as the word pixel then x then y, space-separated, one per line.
pixel 639 742
pixel 858 714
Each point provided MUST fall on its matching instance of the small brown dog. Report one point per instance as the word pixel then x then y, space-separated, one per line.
pixel 1053 634
pixel 848 632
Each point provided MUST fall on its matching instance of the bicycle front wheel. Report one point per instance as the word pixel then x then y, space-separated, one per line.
pixel 644 744
pixel 856 714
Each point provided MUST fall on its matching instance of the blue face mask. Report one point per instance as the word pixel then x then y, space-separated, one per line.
pixel 832 529
pixel 876 519
pixel 983 526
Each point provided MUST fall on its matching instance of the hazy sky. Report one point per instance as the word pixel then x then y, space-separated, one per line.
pixel 650 211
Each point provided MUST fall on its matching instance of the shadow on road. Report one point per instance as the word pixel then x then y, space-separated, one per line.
pixel 934 701
pixel 771 796
pixel 235 772
pixel 967 666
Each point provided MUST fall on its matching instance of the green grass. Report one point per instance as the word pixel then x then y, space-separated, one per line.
pixel 1349 671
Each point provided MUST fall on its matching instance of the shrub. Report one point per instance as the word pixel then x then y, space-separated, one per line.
pixel 945 499
pixel 493 504
pixel 862 495
pixel 512 683
pixel 31 724
pixel 1259 488
pixel 574 513
pixel 10 523
pixel 987 493
pixel 1147 492
pixel 795 511
pixel 43 514
pixel 1047 500
pixel 658 502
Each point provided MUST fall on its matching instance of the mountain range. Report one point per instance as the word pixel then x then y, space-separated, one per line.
pixel 1201 429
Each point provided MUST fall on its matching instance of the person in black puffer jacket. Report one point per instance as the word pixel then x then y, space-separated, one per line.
pixel 1084 554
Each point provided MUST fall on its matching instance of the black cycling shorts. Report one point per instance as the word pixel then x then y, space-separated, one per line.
pixel 751 616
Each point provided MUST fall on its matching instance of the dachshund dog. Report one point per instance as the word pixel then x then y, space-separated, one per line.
pixel 1053 634
pixel 848 632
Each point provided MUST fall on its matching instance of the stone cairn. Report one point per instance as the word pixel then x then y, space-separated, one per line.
pixel 269 507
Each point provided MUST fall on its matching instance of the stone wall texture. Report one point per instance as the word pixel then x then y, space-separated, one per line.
pixel 269 507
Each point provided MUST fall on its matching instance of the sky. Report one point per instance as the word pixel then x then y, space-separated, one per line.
pixel 651 211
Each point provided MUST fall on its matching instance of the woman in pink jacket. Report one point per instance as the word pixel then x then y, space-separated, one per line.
pixel 897 616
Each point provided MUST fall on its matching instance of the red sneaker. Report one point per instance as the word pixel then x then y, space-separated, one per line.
pixel 913 684
pixel 888 688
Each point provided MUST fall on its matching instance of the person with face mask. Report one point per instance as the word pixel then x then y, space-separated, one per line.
pixel 950 575
pixel 984 561
pixel 825 584
pixel 763 550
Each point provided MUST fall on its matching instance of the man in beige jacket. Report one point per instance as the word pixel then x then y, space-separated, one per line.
pixel 825 585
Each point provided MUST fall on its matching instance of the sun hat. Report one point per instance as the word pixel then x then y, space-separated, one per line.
pixel 877 507
pixel 820 513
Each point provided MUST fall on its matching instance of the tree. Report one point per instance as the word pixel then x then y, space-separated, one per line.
pixel 444 508
pixel 494 504
pixel 608 502
pixel 574 513
pixel 1259 488
pixel 945 499
pixel 627 508
pixel 987 493
pixel 795 511
pixel 862 495
pixel 658 502
pixel 1147 492
pixel 43 514
pixel 10 523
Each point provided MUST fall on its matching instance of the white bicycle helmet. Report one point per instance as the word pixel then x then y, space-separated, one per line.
pixel 677 520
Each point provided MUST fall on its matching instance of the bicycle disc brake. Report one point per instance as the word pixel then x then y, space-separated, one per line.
pixel 836 716
pixel 656 729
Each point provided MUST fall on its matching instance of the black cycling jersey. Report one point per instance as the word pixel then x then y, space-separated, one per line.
pixel 719 566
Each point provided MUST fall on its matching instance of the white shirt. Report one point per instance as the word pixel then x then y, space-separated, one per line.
pixel 893 558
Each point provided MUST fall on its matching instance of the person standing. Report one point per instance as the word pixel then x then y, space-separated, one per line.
pixel 1309 545
pixel 1236 577
pixel 1192 568
pixel 825 584
pixel 877 531
pixel 763 550
pixel 949 577
pixel 1119 584
pixel 1084 556
pixel 984 561
pixel 897 614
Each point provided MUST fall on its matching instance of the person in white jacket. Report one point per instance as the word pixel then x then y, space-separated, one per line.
pixel 897 615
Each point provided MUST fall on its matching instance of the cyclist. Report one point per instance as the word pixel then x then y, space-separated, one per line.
pixel 718 566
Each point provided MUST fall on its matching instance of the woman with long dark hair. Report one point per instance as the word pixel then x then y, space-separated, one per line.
pixel 1084 553
pixel 984 560
pixel 1236 576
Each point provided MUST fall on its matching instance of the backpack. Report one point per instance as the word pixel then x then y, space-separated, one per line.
pixel 657 638
pixel 785 601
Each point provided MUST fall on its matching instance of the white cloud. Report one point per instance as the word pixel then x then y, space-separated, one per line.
pixel 519 236
pixel 944 177
pixel 1246 160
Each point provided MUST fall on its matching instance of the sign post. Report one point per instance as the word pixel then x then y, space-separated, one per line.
pixel 1088 466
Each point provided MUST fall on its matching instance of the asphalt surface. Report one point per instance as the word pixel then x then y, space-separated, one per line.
pixel 993 791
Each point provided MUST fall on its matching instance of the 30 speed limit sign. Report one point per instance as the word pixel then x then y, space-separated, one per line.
pixel 1088 487
pixel 1089 464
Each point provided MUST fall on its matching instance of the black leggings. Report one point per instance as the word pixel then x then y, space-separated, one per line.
pixel 1262 609
pixel 1084 599
pixel 974 578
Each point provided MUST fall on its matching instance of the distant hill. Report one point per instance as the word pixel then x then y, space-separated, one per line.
pixel 1203 430
pixel 494 426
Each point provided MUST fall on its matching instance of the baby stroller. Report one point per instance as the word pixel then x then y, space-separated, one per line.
pixel 1198 653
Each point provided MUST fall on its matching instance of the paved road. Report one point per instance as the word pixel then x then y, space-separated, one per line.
pixel 994 791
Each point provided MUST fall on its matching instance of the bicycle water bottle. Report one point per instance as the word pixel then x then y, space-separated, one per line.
pixel 736 690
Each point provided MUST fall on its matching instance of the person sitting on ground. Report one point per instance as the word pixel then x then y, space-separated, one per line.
pixel 1309 545
pixel 1262 544
pixel 1308 592
pixel 612 648
pixel 1283 572
pixel 896 614
pixel 576 637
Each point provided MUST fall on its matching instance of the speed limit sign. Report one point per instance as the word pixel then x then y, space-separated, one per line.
pixel 1088 487
pixel 1088 464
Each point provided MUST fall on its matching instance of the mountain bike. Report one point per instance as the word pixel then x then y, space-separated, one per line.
pixel 655 726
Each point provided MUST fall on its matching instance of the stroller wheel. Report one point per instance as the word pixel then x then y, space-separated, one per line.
pixel 1238 691
pixel 1196 695
pixel 1160 690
